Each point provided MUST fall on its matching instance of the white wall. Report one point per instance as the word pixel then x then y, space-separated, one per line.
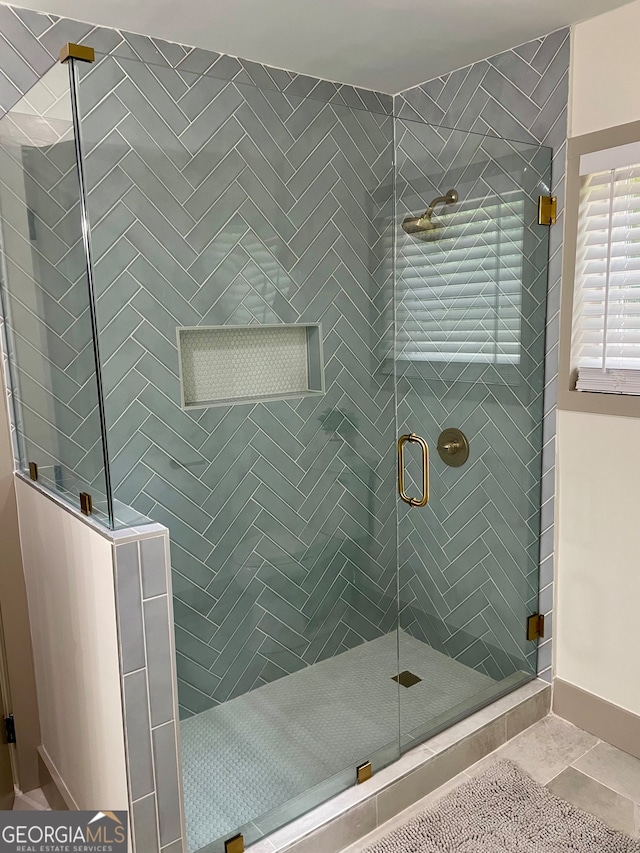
pixel 598 501
pixel 599 556
pixel 69 574
pixel 22 698
pixel 605 71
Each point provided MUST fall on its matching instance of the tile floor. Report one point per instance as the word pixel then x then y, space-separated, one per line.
pixel 242 759
pixel 32 801
pixel 573 764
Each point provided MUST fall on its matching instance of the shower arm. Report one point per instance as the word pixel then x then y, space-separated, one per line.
pixel 450 198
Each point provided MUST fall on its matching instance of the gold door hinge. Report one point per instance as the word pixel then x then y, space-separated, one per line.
pixel 77 51
pixel 235 844
pixel 535 626
pixel 547 210
pixel 33 470
pixel 364 772
pixel 86 503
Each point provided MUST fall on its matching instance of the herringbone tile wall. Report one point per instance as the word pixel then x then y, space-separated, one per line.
pixel 520 95
pixel 213 202
pixel 57 388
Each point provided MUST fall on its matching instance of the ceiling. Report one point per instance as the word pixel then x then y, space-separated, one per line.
pixel 386 45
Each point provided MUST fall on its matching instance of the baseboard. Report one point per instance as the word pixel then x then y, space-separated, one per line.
pixel 609 722
pixel 52 783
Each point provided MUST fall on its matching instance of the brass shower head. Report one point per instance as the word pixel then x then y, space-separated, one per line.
pixel 423 227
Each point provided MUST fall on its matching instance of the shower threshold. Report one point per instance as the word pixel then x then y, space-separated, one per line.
pixel 246 761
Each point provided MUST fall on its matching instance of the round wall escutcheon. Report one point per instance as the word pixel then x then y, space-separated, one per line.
pixel 453 447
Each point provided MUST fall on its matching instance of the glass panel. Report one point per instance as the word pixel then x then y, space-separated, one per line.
pixel 470 308
pixel 46 298
pixel 216 204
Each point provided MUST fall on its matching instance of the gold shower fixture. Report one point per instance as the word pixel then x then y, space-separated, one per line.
pixel 423 226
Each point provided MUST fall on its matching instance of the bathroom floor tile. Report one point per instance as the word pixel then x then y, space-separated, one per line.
pixel 544 750
pixel 612 767
pixel 584 792
pixel 32 801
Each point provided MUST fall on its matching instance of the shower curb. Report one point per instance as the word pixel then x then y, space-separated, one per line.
pixel 350 816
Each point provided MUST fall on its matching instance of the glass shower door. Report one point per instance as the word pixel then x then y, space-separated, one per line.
pixel 240 242
pixel 470 311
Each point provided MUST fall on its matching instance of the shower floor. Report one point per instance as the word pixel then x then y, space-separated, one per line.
pixel 250 755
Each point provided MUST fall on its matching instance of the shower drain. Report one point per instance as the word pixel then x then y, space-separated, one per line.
pixel 406 678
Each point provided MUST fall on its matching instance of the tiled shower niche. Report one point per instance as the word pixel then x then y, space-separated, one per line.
pixel 240 364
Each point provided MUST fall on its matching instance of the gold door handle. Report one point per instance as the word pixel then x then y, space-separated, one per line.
pixel 425 469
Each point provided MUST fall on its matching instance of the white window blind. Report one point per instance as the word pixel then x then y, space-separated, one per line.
pixel 461 294
pixel 606 334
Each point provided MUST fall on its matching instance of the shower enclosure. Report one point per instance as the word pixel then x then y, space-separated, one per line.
pixel 215 321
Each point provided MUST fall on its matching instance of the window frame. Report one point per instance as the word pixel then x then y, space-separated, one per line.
pixel 594 402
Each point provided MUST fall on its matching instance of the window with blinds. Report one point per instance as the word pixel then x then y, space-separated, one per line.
pixel 606 322
pixel 461 294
